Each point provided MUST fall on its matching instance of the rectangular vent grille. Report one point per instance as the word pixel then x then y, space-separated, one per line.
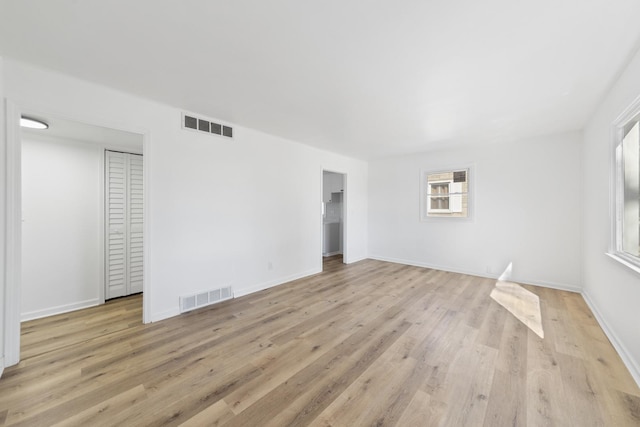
pixel 207 126
pixel 202 299
pixel 460 176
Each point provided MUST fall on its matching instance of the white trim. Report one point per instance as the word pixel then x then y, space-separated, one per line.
pixel 13 258
pixel 271 283
pixel 164 314
pixel 146 225
pixel 616 185
pixel 622 260
pixel 430 195
pixel 551 285
pixel 1 366
pixel 65 308
pixel 624 354
pixel 345 215
pixel 101 228
pixel 14 225
pixel 524 281
pixel 84 143
pixel 354 260
pixel 424 211
pixel 320 220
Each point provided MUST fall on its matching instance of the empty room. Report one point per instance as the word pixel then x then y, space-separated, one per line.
pixel 290 213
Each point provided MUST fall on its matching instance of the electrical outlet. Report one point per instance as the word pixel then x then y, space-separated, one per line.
pixel 270 266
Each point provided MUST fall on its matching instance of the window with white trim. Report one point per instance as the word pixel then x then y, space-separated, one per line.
pixel 626 227
pixel 445 194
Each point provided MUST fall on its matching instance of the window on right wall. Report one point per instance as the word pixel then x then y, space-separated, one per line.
pixel 625 242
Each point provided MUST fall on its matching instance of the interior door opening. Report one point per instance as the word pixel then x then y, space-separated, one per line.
pixel 333 215
pixel 63 188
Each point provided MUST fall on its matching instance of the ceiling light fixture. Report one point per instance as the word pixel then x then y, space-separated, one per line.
pixel 28 122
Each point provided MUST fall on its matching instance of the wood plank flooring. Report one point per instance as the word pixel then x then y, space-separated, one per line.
pixel 371 343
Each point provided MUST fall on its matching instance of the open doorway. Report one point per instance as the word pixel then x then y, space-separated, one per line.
pixel 59 226
pixel 333 216
pixel 67 196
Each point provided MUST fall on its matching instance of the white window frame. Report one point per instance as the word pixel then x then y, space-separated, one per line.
pixel 616 251
pixel 425 202
pixel 430 196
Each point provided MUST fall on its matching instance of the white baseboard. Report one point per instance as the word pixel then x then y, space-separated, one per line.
pixel 352 260
pixel 424 265
pixel 156 317
pixel 629 362
pixel 60 309
pixel 551 285
pixel 524 281
pixel 1 366
pixel 276 282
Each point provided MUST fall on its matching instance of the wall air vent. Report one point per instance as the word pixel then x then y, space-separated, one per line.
pixel 460 176
pixel 191 122
pixel 202 299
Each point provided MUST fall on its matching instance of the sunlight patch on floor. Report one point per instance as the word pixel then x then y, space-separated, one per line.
pixel 523 304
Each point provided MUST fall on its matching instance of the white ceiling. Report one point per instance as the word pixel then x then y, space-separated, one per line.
pixel 366 78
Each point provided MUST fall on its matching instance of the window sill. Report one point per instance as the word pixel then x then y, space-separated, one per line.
pixel 624 261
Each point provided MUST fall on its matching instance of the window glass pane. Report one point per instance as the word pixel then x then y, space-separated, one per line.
pixel 631 178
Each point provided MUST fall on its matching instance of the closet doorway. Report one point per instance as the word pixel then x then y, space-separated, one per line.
pixel 124 230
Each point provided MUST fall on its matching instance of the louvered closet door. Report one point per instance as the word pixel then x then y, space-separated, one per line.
pixel 124 224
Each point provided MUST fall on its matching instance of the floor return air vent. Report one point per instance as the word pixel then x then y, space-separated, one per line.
pixel 202 299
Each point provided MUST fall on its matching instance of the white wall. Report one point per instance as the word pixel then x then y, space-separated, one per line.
pixel 3 147
pixel 220 209
pixel 61 226
pixel 525 210
pixel 612 290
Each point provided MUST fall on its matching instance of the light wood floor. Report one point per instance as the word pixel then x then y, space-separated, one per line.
pixel 371 343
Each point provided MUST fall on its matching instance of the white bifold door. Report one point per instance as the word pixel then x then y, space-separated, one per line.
pixel 124 224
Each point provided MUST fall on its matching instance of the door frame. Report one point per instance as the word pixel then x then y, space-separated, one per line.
pixel 13 267
pixel 345 216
